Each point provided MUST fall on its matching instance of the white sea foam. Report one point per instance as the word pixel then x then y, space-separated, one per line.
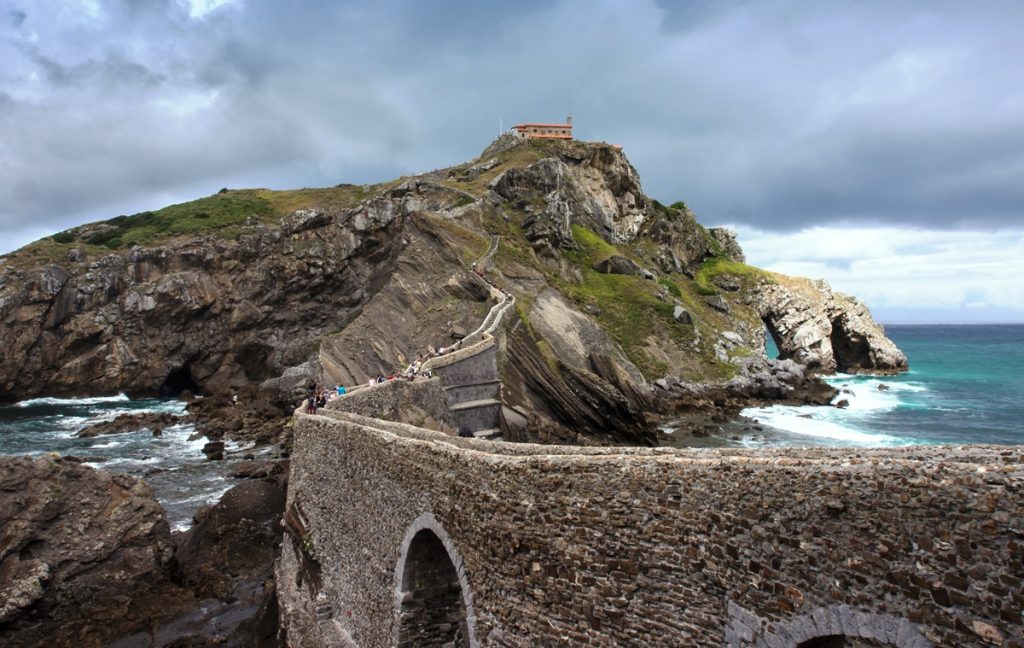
pixel 108 444
pixel 819 423
pixel 72 401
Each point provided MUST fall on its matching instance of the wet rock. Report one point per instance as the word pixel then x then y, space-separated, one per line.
pixel 259 469
pixel 842 403
pixel 214 450
pixel 154 421
pixel 883 387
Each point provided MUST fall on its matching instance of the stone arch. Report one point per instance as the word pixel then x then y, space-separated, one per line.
pixel 433 601
pixel 841 626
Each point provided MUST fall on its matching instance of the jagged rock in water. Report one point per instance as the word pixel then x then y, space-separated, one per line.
pixel 232 539
pixel 153 421
pixel 825 330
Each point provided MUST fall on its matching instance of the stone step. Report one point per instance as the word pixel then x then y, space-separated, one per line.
pixel 472 392
pixel 474 384
pixel 491 433
pixel 475 404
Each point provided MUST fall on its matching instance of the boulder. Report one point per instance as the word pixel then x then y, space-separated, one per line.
pixel 84 557
pixel 214 450
pixel 718 303
pixel 617 264
pixel 682 315
pixel 232 540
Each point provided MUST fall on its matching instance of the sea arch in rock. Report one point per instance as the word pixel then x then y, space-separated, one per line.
pixel 433 601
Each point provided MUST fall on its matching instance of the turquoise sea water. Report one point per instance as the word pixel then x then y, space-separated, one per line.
pixel 965 385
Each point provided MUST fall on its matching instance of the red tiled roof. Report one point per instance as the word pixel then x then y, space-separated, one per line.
pixel 542 126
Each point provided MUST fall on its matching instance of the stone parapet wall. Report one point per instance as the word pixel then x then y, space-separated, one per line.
pixel 561 545
pixel 396 399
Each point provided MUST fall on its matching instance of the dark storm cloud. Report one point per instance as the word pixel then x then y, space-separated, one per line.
pixel 774 114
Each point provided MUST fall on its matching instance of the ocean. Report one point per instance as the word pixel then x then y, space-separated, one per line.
pixel 176 468
pixel 965 385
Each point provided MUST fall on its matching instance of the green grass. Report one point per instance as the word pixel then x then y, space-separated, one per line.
pixel 672 287
pixel 222 214
pixel 593 248
pixel 717 266
pixel 211 213
pixel 629 308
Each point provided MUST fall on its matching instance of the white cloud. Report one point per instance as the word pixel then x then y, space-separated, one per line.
pixel 897 271
pixel 199 8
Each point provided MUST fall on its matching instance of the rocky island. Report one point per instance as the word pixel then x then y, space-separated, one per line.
pixel 583 314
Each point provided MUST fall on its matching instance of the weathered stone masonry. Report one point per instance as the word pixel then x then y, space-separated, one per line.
pixel 553 545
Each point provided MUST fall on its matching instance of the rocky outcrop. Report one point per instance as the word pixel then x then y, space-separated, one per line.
pixel 590 185
pixel 782 380
pixel 197 313
pixel 859 344
pixel 342 294
pixel 83 554
pixel 825 330
pixel 579 382
pixel 155 422
pixel 682 243
pixel 728 245
pixel 232 540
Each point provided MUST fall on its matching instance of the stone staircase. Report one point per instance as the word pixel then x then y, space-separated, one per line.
pixel 476 407
pixel 470 374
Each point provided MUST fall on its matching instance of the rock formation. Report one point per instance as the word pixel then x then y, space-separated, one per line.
pixel 83 554
pixel 87 559
pixel 826 330
pixel 614 290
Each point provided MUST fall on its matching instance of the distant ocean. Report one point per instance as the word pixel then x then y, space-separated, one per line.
pixel 965 385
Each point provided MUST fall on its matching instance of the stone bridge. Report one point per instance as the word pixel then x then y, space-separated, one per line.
pixel 402 536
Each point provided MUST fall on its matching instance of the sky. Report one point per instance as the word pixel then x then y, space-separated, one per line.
pixel 879 145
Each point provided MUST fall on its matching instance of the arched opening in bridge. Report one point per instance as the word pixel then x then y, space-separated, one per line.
pixel 841 641
pixel 433 612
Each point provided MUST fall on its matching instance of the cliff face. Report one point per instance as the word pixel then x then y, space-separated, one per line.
pixel 198 312
pixel 614 290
